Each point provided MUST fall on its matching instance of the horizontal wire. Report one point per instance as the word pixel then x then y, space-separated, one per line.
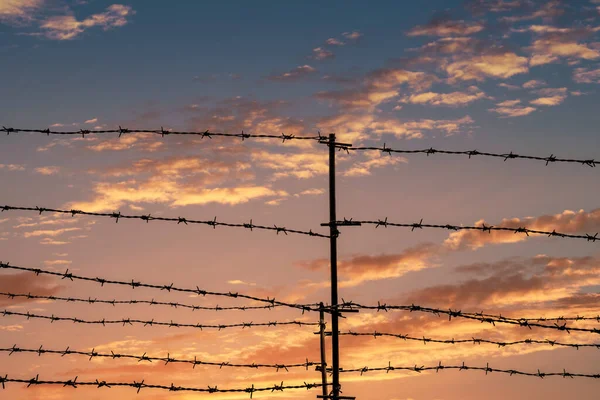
pixel 214 223
pixel 163 132
pixel 487 369
pixel 505 156
pixel 152 302
pixel 484 228
pixel 168 359
pixel 472 316
pixel 73 383
pixel 388 307
pixel 130 321
pixel 136 284
pixel 426 340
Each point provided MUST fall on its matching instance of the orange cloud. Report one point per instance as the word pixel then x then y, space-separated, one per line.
pixel 493 65
pixel 511 108
pixel 66 27
pixel 49 170
pixel 445 27
pixel 24 283
pixel 565 222
pixel 297 73
pixel 549 50
pixel 453 99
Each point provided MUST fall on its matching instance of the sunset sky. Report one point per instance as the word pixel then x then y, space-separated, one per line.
pixel 486 75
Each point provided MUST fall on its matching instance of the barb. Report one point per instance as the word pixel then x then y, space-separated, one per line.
pixel 492 319
pixel 505 156
pixel 426 340
pixel 130 321
pixel 117 215
pixel 420 225
pixel 167 360
pixel 136 284
pixel 149 302
pixel 487 370
pixel 73 383
pixel 163 132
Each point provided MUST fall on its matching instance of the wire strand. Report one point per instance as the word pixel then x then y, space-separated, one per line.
pixel 137 284
pixel 131 321
pixel 484 228
pixel 167 360
pixel 152 302
pixel 506 156
pixel 214 223
pixel 73 383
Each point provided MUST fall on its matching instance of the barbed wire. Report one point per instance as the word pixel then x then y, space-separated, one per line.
pixel 214 223
pixel 152 302
pixel 506 156
pixel 130 321
pixel 462 367
pixel 389 307
pixel 73 383
pixel 472 316
pixel 484 228
pixel 167 360
pixel 137 284
pixel 164 132
pixel 426 340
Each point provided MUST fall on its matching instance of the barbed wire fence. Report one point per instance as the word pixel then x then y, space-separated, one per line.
pixel 335 308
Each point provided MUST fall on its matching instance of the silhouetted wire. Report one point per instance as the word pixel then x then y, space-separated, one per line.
pixel 426 340
pixel 131 321
pixel 117 215
pixel 472 316
pixel 164 132
pixel 136 284
pixel 420 225
pixel 470 153
pixel 73 383
pixel 390 307
pixel 167 360
pixel 462 367
pixel 152 302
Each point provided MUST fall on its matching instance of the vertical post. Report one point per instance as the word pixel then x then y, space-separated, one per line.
pixel 333 232
pixel 323 353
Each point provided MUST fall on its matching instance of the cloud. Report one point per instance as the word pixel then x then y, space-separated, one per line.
pixel 361 268
pixel 482 6
pixel 511 282
pixel 510 108
pixel 19 11
pixel 310 192
pixel 320 53
pixel 363 168
pixel 584 75
pixel 141 141
pixel 453 99
pixel 533 84
pixel 444 27
pixel 547 11
pixel 334 42
pixel 297 73
pixel 12 167
pixel 66 27
pixel 49 170
pixel 377 87
pixel 508 86
pixel 299 165
pixel 548 50
pixel 548 101
pixel 565 222
pixel 552 96
pixel 49 232
pixel 91 121
pixel 493 65
pixel 25 282
pixel 352 35
pixel 240 282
